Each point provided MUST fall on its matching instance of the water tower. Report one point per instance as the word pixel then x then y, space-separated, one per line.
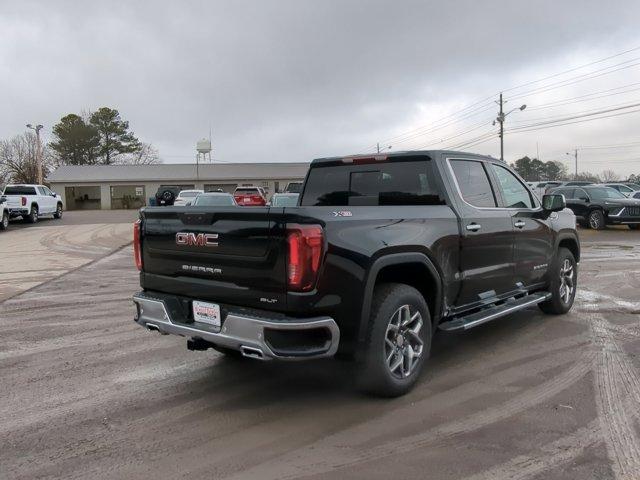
pixel 204 149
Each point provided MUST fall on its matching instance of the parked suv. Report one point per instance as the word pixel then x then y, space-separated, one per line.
pixel 597 206
pixel 32 201
pixel 186 197
pixel 626 190
pixel 250 196
pixel 379 252
pixel 166 194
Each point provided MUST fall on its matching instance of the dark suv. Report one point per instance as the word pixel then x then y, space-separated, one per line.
pixel 167 194
pixel 597 206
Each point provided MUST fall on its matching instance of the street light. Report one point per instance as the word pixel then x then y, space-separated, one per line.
pixel 500 120
pixel 37 129
pixel 574 154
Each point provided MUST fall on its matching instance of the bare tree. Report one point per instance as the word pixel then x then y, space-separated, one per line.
pixel 609 176
pixel 18 159
pixel 146 155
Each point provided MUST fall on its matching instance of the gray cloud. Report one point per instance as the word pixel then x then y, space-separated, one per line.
pixel 290 80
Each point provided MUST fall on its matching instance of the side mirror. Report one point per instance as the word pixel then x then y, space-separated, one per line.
pixel 585 199
pixel 54 194
pixel 553 203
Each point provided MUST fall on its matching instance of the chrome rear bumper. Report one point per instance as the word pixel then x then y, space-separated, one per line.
pixel 251 335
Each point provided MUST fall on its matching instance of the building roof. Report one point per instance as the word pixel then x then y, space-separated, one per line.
pixel 176 172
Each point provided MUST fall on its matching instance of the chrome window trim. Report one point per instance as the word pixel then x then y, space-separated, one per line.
pixel 455 181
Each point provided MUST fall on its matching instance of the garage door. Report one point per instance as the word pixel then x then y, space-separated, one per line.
pixel 127 197
pixel 82 198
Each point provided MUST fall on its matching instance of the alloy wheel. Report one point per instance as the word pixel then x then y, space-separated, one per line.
pixel 403 345
pixel 594 221
pixel 567 273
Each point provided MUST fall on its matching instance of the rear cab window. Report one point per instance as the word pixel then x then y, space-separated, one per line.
pixel 398 181
pixel 19 190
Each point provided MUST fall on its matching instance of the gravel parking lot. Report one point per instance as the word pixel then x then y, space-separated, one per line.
pixel 86 393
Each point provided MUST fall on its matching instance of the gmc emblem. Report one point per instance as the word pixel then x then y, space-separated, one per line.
pixel 198 240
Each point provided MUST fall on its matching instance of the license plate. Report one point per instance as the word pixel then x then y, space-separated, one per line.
pixel 205 312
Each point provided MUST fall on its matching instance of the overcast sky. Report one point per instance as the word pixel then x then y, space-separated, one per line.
pixel 294 80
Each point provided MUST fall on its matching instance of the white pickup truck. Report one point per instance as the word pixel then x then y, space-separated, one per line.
pixel 4 214
pixel 32 201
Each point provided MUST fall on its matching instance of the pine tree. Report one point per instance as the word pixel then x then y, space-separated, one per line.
pixel 75 143
pixel 115 138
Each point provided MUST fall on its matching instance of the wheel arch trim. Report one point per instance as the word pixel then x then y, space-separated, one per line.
pixel 564 237
pixel 393 259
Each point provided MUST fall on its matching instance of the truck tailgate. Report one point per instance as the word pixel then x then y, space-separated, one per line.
pixel 14 201
pixel 222 254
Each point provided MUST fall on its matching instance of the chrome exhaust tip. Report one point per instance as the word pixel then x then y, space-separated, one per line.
pixel 152 327
pixel 251 352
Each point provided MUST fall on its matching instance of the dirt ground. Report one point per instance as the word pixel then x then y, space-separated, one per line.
pixel 86 393
pixel 33 254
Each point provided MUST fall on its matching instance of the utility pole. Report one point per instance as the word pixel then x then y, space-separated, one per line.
pixel 37 129
pixel 388 147
pixel 500 120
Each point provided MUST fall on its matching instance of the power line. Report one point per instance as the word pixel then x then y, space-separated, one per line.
pixel 582 98
pixel 551 122
pixel 572 69
pixel 578 79
pixel 483 104
pixel 434 126
pixel 581 112
pixel 434 141
pixel 619 145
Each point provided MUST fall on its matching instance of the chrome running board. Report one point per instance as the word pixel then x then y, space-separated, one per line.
pixel 491 313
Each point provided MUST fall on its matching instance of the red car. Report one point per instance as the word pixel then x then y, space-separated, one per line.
pixel 250 196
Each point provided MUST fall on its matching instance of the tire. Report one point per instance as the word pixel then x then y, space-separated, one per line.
pixel 634 226
pixel 33 215
pixel 167 196
pixel 561 299
pixel 4 224
pixel 386 368
pixel 58 212
pixel 596 220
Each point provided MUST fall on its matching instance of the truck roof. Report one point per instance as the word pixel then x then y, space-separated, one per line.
pixel 404 153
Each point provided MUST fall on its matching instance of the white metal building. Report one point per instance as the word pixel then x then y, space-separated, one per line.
pixel 130 186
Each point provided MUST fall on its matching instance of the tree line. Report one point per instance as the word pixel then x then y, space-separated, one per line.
pixel 101 137
pixel 535 170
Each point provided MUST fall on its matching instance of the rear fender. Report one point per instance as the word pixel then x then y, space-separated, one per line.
pixel 393 260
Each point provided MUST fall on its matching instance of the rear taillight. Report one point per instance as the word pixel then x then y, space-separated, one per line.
pixel 257 199
pixel 137 250
pixel 305 244
pixel 23 200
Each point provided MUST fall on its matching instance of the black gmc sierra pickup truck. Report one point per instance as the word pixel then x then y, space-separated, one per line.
pixel 381 251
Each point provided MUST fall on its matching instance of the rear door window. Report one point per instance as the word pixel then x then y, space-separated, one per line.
pixel 473 183
pixel 403 181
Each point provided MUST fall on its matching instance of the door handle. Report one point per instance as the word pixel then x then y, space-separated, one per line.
pixel 474 227
pixel 519 224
